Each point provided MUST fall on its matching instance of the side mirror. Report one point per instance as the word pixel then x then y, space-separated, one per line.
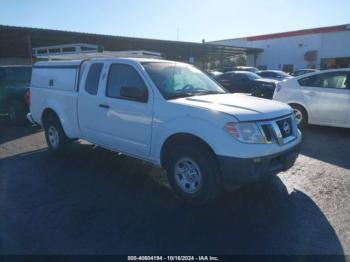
pixel 134 93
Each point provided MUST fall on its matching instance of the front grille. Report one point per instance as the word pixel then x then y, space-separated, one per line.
pixel 285 126
pixel 279 131
pixel 268 132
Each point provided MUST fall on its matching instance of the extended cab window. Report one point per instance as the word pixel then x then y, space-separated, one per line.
pixel 93 78
pixel 121 76
pixel 326 80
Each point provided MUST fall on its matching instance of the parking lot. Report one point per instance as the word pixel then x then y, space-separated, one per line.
pixel 94 201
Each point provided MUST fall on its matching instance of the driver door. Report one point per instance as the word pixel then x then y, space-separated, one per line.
pixel 125 124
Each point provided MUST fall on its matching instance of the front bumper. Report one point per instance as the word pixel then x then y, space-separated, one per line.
pixel 240 171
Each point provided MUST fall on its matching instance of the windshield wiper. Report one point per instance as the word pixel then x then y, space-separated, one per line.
pixel 188 94
pixel 210 93
pixel 180 95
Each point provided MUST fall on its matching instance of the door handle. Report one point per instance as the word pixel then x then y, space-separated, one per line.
pixel 103 106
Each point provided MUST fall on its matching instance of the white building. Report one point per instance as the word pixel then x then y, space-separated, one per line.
pixel 325 47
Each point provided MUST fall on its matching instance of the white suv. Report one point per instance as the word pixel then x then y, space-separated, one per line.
pixel 321 98
pixel 169 114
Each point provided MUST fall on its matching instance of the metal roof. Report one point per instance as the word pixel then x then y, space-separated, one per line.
pixel 13 38
pixel 318 30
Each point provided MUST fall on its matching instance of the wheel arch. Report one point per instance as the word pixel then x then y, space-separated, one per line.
pixel 49 110
pixel 182 137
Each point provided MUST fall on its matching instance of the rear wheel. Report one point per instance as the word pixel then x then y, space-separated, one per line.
pixel 56 139
pixel 300 115
pixel 17 113
pixel 193 173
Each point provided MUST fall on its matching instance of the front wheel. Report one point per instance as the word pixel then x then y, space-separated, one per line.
pixel 56 139
pixel 194 174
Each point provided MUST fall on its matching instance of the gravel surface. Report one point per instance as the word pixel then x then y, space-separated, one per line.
pixel 93 201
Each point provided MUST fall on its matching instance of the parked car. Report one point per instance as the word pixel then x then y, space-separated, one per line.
pixel 247 82
pixel 242 68
pixel 303 71
pixel 274 75
pixel 320 98
pixel 14 85
pixel 169 114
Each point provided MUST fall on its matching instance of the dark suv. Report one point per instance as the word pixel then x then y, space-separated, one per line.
pixel 247 82
pixel 14 87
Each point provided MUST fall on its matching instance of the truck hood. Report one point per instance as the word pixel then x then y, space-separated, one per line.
pixel 243 107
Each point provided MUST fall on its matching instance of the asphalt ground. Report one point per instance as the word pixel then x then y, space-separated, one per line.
pixel 94 201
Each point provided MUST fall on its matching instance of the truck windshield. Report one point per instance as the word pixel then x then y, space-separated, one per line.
pixel 175 80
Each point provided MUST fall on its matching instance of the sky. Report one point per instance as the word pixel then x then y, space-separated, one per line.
pixel 191 20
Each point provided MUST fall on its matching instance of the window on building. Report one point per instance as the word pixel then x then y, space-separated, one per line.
pixel 54 50
pixel 42 51
pixel 68 49
pixel 86 48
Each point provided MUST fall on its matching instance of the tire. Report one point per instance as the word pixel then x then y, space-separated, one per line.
pixel 56 138
pixel 17 113
pixel 300 115
pixel 201 184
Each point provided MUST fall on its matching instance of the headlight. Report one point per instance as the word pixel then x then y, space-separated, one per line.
pixel 245 132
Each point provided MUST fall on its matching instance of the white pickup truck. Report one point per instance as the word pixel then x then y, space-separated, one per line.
pixel 169 114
